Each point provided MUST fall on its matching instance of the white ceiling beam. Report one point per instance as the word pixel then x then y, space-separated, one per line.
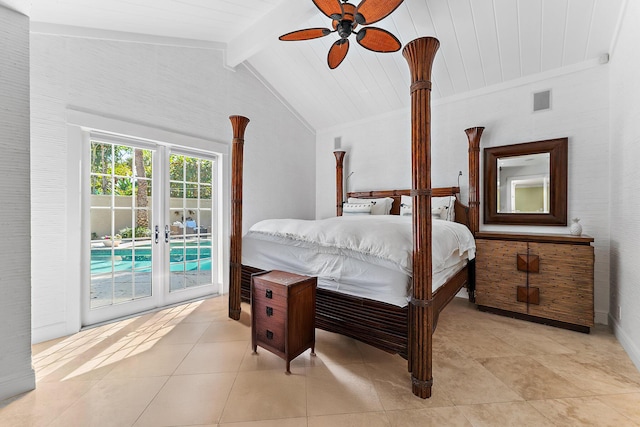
pixel 286 17
pixel 21 6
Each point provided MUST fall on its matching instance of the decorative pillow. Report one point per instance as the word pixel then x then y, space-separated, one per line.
pixel 439 212
pixel 406 210
pixel 381 206
pixel 357 208
pixel 442 207
pixel 448 202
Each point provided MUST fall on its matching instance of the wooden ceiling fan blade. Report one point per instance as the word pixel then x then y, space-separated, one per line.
pixel 378 40
pixel 337 53
pixel 307 34
pixel 370 11
pixel 331 8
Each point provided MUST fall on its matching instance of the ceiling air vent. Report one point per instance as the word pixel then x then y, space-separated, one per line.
pixel 542 100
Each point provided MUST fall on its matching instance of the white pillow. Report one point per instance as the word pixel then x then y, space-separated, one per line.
pixel 442 207
pixel 357 208
pixel 448 202
pixel 380 206
pixel 406 210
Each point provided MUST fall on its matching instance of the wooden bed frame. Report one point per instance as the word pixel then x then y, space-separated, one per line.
pixel 403 330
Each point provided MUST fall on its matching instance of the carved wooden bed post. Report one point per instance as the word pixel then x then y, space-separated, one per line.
pixel 239 124
pixel 419 54
pixel 339 181
pixel 474 134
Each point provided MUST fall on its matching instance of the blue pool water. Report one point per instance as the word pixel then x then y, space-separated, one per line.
pixel 183 256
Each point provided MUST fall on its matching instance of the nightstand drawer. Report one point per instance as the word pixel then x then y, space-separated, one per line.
pixel 271 335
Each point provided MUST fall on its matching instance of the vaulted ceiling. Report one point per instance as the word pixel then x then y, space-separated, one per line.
pixel 482 43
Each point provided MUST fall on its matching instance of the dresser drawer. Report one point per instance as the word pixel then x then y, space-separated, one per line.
pixel 497 275
pixel 566 285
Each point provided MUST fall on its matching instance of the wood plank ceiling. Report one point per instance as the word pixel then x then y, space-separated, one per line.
pixel 483 43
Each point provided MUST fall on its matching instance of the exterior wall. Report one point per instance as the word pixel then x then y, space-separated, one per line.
pixel 625 176
pixel 183 91
pixel 16 373
pixel 378 151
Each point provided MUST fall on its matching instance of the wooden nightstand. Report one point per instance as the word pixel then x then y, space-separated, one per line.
pixel 539 277
pixel 283 310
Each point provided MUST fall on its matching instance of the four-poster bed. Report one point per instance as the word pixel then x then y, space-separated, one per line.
pixel 404 330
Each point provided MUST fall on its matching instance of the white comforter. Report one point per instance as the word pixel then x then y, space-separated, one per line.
pixel 383 239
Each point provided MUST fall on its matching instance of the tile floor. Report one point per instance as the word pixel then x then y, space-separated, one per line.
pixel 191 365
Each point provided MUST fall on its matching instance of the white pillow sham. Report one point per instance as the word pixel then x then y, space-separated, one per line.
pixel 441 207
pixel 381 206
pixel 357 208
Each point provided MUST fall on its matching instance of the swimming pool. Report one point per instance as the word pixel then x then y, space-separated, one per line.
pixel 183 256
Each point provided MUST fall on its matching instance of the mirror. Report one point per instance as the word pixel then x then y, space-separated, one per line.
pixel 526 183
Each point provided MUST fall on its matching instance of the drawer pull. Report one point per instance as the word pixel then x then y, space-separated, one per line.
pixel 269 293
pixel 269 335
pixel 269 311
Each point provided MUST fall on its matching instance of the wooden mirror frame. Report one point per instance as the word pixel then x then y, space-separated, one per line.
pixel 558 155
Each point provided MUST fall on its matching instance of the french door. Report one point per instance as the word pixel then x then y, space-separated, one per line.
pixel 153 215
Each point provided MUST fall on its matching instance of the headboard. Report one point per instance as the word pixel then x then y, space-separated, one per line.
pixel 461 211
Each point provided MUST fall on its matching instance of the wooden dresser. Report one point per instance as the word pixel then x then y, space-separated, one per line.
pixel 283 309
pixel 544 278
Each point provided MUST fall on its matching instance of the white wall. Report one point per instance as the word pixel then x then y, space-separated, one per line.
pixel 16 374
pixel 378 150
pixel 625 179
pixel 179 90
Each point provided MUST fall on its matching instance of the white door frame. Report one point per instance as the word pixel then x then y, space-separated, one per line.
pixel 80 124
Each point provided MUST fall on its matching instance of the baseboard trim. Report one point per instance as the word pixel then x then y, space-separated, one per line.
pixel 626 342
pixel 17 384
pixel 601 317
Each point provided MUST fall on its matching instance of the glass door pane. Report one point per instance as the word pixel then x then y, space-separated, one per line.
pixel 120 218
pixel 191 255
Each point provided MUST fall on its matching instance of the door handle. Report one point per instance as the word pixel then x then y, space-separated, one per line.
pixel 157 233
pixel 166 234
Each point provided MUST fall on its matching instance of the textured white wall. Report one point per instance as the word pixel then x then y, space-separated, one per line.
pixel 625 179
pixel 181 90
pixel 16 374
pixel 378 150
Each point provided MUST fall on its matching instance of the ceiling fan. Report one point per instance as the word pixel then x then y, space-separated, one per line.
pixel 346 18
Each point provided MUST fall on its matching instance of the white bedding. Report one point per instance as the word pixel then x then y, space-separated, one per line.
pixel 368 256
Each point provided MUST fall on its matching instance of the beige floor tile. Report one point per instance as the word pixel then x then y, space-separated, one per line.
pixel 155 361
pixel 188 400
pixel 335 349
pixel 467 382
pixel 530 379
pixel 366 419
pixel 589 375
pixel 227 330
pixel 340 389
pixel 182 333
pixel 266 395
pixel 40 406
pixel 433 417
pixel 581 412
pixel 393 385
pixel 284 422
pixel 528 341
pixel 626 404
pixel 478 346
pixel 265 360
pixel 207 358
pixel 117 402
pixel 373 355
pixel 519 414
